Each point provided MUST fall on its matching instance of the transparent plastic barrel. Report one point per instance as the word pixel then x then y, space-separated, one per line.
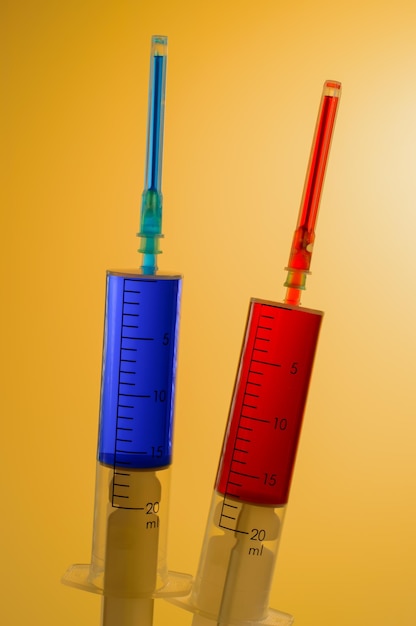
pixel 134 453
pixel 236 567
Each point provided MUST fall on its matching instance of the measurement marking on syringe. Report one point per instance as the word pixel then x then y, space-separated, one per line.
pixel 255 419
pixel 242 532
pixel 266 363
pixel 265 327
pixel 245 475
pixel 126 429
pixel 132 395
pixel 235 484
pixel 250 406
pixel 129 452
pixel 230 506
pixel 125 497
pixel 137 339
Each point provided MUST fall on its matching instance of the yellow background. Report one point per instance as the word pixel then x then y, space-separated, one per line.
pixel 244 82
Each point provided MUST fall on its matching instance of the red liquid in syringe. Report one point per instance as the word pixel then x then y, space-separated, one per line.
pixel 269 398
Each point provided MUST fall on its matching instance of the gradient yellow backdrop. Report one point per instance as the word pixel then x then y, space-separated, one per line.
pixel 244 82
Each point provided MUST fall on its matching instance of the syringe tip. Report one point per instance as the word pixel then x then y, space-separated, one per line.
pixel 159 45
pixel 304 237
pixel 151 212
pixel 332 88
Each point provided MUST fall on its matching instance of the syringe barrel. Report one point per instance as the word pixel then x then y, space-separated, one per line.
pixel 268 402
pixel 236 567
pixel 135 440
pixel 135 432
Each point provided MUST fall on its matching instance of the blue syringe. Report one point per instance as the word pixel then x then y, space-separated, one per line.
pixel 128 563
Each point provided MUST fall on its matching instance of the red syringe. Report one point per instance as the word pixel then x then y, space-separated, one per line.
pixel 234 577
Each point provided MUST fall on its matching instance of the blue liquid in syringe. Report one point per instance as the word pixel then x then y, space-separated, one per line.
pixel 155 131
pixel 138 376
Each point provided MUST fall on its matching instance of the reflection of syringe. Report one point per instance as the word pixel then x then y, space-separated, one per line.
pixel 128 565
pixel 234 576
